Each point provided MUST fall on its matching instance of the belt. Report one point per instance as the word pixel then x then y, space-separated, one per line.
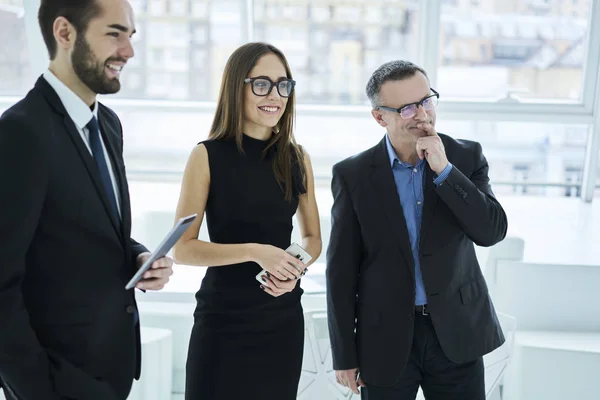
pixel 423 310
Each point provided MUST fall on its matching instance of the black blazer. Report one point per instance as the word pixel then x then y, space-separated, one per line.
pixel 370 267
pixel 67 322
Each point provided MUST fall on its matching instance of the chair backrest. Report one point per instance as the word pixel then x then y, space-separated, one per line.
pixel 511 248
pixel 549 297
pixel 497 361
pixel 317 381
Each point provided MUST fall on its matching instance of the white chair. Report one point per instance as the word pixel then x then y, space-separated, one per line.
pixel 317 381
pixel 156 380
pixel 178 318
pixel 496 363
pixel 549 297
pixel 512 248
pixel 554 366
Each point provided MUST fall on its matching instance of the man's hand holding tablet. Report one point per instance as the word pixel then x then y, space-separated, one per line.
pixel 154 269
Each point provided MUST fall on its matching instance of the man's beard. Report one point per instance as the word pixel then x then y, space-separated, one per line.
pixel 90 71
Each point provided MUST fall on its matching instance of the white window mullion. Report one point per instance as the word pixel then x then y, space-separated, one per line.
pixel 249 21
pixel 591 71
pixel 561 114
pixel 429 37
pixel 499 111
pixel 590 166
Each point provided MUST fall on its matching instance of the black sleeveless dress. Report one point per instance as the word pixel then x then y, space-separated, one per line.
pixel 245 344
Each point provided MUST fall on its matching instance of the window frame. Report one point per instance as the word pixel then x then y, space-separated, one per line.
pixel 587 111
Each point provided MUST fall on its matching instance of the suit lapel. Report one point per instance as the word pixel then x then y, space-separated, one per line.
pixel 92 169
pixel 82 150
pixel 383 183
pixel 430 201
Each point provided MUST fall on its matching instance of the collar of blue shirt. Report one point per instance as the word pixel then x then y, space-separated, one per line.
pixel 394 158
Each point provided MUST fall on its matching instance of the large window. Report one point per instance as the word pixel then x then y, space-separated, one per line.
pixel 158 144
pixel 181 48
pixel 503 48
pixel 333 47
pixel 524 158
pixel 528 158
pixel 488 50
pixel 14 59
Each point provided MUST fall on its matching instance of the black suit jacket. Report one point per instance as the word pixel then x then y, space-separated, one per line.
pixel 370 267
pixel 67 322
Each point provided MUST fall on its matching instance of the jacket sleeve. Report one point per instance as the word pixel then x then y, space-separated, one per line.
pixel 136 250
pixel 473 203
pixel 344 256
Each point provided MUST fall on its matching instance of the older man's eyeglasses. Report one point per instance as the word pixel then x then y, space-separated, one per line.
pixel 262 86
pixel 410 110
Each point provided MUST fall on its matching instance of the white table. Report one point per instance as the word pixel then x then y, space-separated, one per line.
pixel 157 366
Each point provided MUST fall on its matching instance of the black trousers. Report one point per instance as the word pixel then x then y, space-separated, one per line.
pixel 428 367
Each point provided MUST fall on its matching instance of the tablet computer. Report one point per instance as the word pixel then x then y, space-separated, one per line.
pixel 163 248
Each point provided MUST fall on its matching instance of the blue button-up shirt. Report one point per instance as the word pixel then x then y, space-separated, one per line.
pixel 409 183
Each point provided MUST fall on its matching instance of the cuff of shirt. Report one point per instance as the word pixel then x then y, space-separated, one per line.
pixel 442 177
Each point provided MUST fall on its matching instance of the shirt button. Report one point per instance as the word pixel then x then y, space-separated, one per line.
pixel 415 170
pixel 129 309
pixel 418 202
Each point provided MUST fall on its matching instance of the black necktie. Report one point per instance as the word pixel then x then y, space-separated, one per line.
pixel 98 153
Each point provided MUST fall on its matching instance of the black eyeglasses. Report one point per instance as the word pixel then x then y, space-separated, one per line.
pixel 410 110
pixel 263 85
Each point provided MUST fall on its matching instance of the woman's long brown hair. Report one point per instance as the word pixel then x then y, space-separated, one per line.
pixel 229 116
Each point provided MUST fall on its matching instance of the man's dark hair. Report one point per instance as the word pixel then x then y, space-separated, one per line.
pixel 390 71
pixel 77 12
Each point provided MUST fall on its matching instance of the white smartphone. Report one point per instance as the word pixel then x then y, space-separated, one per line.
pixel 295 250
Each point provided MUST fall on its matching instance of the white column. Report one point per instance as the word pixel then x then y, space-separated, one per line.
pixel 429 38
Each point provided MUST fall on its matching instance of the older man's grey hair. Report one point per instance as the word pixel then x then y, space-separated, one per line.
pixel 390 71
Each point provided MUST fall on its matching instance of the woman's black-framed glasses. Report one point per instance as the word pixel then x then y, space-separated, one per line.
pixel 410 110
pixel 262 86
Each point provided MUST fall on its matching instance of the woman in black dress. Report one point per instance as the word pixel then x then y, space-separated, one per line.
pixel 250 177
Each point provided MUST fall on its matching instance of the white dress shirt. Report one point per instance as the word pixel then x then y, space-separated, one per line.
pixel 81 114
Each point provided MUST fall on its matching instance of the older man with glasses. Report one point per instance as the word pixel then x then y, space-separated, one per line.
pixel 407 302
